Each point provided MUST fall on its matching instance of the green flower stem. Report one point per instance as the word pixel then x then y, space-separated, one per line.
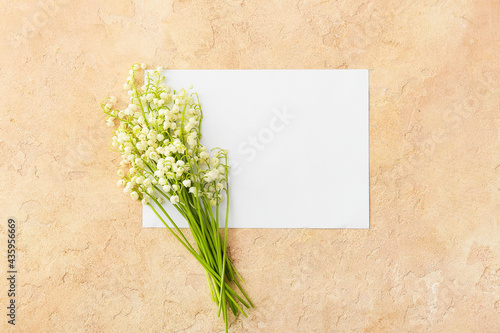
pixel 186 243
pixel 216 277
pixel 173 223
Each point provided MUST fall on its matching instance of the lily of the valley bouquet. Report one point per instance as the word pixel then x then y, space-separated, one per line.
pixel 158 135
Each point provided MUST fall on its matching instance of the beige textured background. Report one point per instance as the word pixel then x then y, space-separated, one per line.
pixel 431 259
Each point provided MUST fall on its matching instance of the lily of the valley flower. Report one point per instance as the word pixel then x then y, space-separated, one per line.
pixel 158 136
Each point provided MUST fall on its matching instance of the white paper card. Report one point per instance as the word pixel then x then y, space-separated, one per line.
pixel 297 142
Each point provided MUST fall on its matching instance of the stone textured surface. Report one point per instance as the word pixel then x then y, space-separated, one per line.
pixel 431 259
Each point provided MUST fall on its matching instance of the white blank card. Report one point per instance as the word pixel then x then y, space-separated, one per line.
pixel 297 143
